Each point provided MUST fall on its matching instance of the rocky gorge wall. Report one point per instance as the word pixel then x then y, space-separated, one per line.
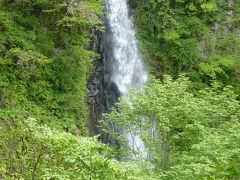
pixel 101 94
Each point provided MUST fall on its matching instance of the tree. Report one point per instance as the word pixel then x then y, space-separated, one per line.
pixel 186 135
pixel 32 151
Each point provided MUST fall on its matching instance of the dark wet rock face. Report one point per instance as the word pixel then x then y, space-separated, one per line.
pixel 101 92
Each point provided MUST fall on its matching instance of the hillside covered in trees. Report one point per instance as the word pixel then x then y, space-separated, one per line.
pixel 187 115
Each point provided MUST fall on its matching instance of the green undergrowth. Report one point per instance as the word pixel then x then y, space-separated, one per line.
pixel 35 151
pixel 198 38
pixel 44 61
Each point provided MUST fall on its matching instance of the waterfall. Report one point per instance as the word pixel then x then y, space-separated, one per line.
pixel 127 69
pixel 124 63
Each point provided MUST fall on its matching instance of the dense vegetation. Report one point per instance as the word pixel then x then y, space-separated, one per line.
pixel 186 136
pixel 44 67
pixel 45 63
pixel 38 152
pixel 200 38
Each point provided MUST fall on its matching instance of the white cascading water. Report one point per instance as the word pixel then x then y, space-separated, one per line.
pixel 127 67
pixel 128 70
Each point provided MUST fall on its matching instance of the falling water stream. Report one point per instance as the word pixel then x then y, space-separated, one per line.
pixel 127 69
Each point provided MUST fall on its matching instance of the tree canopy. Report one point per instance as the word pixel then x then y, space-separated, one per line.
pixel 186 135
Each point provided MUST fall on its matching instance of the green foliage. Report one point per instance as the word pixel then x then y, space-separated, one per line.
pixel 194 136
pixel 170 35
pixel 221 68
pixel 183 36
pixel 30 151
pixel 44 62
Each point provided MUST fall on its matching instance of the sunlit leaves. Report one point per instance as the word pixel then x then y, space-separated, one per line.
pixel 193 134
pixel 45 154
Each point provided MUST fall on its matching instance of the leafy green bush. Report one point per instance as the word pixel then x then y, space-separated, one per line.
pixel 30 151
pixel 183 36
pixel 44 61
pixel 186 135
